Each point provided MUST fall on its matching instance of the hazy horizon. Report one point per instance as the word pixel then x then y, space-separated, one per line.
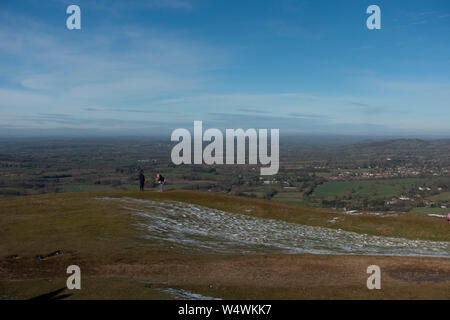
pixel 65 134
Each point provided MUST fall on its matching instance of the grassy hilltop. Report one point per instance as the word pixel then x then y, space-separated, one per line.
pixel 117 262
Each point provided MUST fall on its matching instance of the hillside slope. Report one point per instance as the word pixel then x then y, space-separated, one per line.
pixel 122 257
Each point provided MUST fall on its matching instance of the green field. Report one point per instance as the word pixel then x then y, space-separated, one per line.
pixel 444 196
pixel 372 189
pixel 83 187
pixel 428 210
pixel 292 197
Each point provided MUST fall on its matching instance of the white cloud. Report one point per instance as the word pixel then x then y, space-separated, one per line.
pixel 55 71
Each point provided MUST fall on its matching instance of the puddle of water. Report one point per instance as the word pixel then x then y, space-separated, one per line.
pixel 194 228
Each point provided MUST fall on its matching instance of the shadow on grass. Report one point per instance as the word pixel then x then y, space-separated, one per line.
pixel 54 295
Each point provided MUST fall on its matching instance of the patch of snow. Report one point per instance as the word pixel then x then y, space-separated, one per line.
pixel 194 228
pixel 437 215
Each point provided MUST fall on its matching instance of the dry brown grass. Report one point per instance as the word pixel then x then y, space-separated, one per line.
pixel 103 241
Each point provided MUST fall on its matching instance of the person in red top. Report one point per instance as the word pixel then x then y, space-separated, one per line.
pixel 448 217
pixel 161 180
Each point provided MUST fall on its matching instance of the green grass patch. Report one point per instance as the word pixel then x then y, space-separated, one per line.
pixel 292 197
pixel 444 196
pixel 428 210
pixel 84 187
pixel 375 189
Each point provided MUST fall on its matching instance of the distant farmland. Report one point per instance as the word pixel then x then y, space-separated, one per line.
pixel 444 196
pixel 428 210
pixel 377 189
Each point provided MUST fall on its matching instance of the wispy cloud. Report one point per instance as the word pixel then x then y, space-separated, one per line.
pixel 285 29
pixel 308 116
pixel 251 110
pixel 291 124
pixel 436 89
pixel 149 111
pixel 108 5
pixel 127 71
pixel 54 72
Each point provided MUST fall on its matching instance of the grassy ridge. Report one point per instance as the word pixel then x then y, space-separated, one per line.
pixel 410 226
pixel 70 205
pixel 117 263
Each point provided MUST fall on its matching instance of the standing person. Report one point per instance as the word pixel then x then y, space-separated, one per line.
pixel 160 179
pixel 141 180
pixel 448 217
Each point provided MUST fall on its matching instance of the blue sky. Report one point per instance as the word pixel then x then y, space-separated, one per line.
pixel 146 67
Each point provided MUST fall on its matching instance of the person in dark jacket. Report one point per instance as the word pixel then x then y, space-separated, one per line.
pixel 160 179
pixel 141 180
